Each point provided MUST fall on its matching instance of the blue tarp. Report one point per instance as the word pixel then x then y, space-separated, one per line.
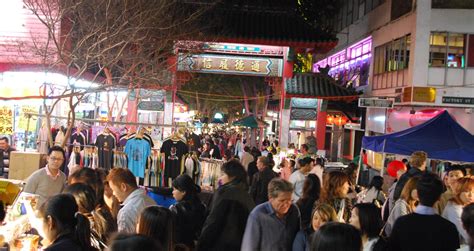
pixel 441 137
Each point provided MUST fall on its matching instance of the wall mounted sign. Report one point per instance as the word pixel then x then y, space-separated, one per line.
pixel 375 102
pixel 236 65
pixel 151 106
pixel 458 100
pixel 303 114
pixel 306 103
pixel 420 94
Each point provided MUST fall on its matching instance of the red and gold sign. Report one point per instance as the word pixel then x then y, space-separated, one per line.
pixel 224 64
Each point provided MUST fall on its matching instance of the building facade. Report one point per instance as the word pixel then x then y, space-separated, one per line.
pixel 421 57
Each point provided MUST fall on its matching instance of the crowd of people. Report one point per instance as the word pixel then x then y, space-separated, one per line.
pixel 297 205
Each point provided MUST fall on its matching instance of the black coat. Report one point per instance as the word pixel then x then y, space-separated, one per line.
pixel 65 242
pixel 225 226
pixel 259 188
pixel 413 172
pixel 190 216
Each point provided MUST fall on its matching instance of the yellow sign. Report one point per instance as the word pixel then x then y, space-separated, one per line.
pixel 23 120
pixel 6 120
pixel 419 94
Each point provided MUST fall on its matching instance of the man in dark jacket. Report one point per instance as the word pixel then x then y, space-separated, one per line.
pixel 418 164
pixel 259 188
pixel 5 150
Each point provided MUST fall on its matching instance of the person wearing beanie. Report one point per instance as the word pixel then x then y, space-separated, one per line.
pixel 190 212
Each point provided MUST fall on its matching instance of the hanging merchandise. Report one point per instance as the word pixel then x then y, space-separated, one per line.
pixel 76 160
pixel 125 137
pixel 77 138
pixel 105 144
pixel 137 150
pixel 210 171
pixel 43 141
pixel 88 155
pixel 59 139
pixel 173 150
pixel 192 167
pixel 95 158
pixel 153 172
pixel 120 159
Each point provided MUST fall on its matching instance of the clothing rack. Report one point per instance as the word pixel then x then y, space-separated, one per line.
pixel 29 115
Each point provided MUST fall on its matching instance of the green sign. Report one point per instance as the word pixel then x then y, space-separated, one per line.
pixel 458 100
pixel 151 106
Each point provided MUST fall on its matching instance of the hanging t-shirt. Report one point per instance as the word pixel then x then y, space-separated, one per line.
pixel 105 144
pixel 174 151
pixel 137 151
pixel 77 138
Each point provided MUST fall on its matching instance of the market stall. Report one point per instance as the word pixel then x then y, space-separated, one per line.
pixel 442 138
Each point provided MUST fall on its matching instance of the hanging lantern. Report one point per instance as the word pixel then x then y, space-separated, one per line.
pixel 340 121
pixel 329 119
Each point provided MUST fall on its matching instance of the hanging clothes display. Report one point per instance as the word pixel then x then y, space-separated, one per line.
pixel 95 158
pixel 43 141
pixel 87 158
pixel 192 167
pixel 125 137
pixel 137 150
pixel 120 159
pixel 58 141
pixel 77 138
pixel 76 160
pixel 173 149
pixel 153 172
pixel 210 172
pixel 105 144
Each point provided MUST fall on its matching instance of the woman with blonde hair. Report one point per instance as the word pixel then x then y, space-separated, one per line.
pixel 406 204
pixel 335 193
pixel 463 196
pixel 322 214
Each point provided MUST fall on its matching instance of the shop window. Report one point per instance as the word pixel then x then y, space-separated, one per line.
pixel 447 49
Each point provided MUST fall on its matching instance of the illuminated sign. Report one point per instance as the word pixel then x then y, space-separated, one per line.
pixel 220 64
pixel 419 94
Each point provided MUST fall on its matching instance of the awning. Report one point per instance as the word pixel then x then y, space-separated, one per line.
pixel 250 121
pixel 316 85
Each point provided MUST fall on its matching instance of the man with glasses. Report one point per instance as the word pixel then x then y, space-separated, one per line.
pixel 49 180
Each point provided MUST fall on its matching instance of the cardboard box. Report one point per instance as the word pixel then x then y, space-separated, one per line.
pixel 23 164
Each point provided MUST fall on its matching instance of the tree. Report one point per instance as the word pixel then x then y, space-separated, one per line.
pixel 124 43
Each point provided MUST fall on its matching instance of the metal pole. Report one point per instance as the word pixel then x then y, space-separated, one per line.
pixel 27 131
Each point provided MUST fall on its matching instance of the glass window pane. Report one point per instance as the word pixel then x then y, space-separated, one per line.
pixel 470 60
pixel 456 50
pixel 438 41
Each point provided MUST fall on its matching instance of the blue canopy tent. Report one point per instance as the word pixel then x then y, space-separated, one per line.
pixel 441 138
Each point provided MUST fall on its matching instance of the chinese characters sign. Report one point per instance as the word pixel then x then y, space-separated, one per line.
pixel 256 66
pixel 6 120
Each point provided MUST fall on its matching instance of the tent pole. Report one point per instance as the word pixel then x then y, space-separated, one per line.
pixel 383 157
pixel 359 165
